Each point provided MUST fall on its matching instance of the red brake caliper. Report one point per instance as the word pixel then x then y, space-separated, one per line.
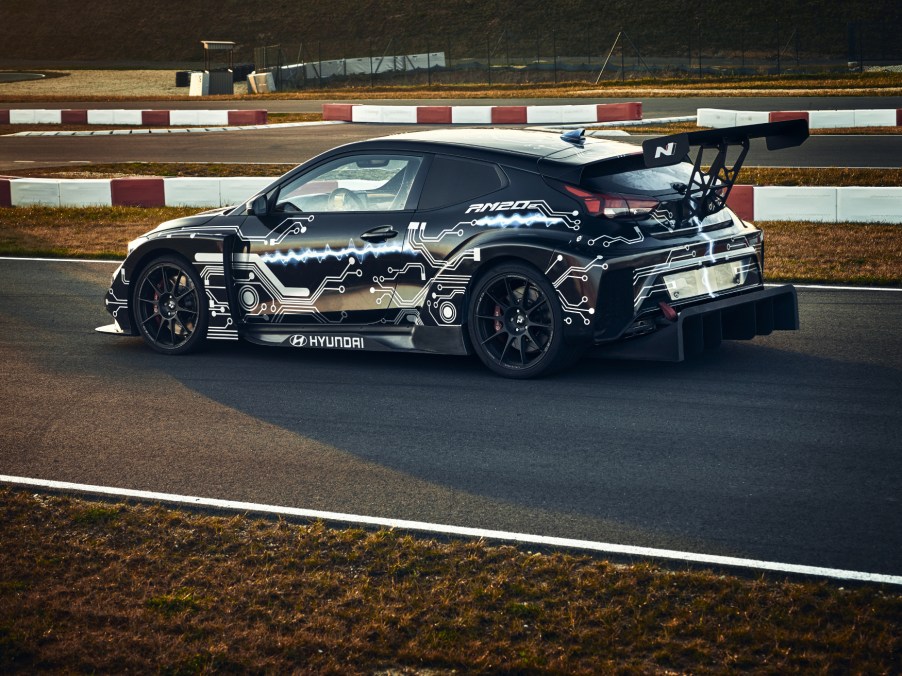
pixel 497 313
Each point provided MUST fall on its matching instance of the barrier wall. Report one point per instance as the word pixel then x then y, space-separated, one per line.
pixel 817 119
pixel 764 203
pixel 819 204
pixel 366 113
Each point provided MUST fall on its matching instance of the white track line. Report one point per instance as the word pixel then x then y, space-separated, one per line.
pixel 820 287
pixel 587 545
pixel 826 287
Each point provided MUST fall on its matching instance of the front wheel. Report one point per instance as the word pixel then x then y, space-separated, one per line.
pixel 516 323
pixel 170 306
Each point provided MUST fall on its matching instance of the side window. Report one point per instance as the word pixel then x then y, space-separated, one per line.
pixel 452 180
pixel 357 183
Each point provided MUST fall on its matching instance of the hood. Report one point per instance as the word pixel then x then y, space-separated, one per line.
pixel 190 221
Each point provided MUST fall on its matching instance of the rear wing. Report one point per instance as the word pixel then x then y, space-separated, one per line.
pixel 708 190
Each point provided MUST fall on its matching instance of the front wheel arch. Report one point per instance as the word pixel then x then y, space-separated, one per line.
pixel 169 304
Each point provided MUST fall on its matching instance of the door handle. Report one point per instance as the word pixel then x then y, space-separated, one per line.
pixel 380 234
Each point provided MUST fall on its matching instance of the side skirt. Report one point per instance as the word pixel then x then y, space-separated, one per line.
pixel 427 339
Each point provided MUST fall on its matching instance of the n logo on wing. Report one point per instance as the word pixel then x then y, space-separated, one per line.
pixel 667 150
pixel 660 152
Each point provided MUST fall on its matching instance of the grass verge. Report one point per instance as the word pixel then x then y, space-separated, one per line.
pixel 783 176
pixel 94 586
pixel 122 169
pixel 833 253
pixel 91 232
pixel 822 84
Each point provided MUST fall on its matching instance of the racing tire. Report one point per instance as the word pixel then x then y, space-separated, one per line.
pixel 515 323
pixel 170 306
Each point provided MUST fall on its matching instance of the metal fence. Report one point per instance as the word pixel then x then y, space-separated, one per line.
pixel 579 55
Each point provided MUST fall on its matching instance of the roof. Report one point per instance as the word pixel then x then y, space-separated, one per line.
pixel 532 150
pixel 538 144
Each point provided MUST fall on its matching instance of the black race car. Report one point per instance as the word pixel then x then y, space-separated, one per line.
pixel 525 247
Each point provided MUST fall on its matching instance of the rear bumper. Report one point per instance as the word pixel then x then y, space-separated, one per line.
pixel 704 326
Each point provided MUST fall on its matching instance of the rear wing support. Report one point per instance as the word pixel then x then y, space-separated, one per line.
pixel 708 189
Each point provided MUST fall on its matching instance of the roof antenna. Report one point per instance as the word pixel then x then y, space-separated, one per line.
pixel 575 136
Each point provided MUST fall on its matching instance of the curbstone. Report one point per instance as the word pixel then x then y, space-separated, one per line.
pixel 138 192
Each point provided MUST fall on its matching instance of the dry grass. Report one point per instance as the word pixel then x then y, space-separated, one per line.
pixel 782 176
pixel 832 176
pixel 847 253
pixel 168 169
pixel 92 586
pixel 122 85
pixel 93 232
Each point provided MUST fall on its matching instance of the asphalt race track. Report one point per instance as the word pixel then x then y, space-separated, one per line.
pixel 297 144
pixel 784 449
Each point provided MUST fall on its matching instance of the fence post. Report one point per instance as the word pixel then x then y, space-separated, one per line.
pixel 372 74
pixel 319 56
pixel 428 64
pixel 779 47
pixel 699 51
pixel 538 52
pixel 488 53
pixel 742 48
pixel 554 50
pixel 860 46
pixel 623 57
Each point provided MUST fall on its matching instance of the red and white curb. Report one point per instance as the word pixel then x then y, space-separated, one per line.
pixel 817 119
pixel 847 204
pixel 763 203
pixel 131 192
pixel 463 531
pixel 601 112
pixel 128 117
pixel 182 130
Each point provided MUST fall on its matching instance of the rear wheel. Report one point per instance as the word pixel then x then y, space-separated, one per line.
pixel 170 306
pixel 516 323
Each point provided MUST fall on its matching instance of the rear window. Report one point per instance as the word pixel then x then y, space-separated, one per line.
pixel 641 180
pixel 452 180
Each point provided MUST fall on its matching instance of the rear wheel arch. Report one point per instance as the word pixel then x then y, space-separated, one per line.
pixel 515 321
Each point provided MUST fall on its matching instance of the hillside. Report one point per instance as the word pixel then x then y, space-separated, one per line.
pixel 127 32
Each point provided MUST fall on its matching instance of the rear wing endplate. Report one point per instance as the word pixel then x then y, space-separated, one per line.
pixel 708 190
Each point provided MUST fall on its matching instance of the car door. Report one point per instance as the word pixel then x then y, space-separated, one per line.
pixel 332 239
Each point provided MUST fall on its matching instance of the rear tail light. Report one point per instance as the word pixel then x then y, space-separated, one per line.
pixel 613 206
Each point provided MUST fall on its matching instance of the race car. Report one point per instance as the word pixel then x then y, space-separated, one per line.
pixel 527 248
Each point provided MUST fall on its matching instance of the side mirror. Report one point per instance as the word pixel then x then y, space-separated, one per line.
pixel 258 206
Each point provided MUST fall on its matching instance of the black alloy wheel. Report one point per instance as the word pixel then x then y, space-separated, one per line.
pixel 515 323
pixel 170 306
